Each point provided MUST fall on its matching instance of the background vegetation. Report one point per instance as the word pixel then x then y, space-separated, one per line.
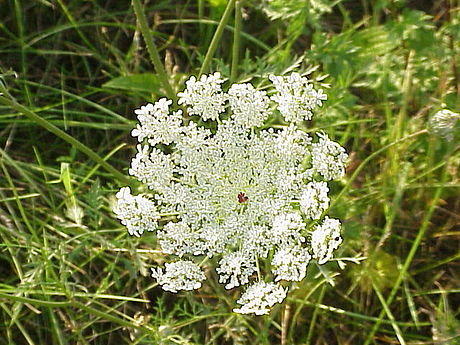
pixel 73 71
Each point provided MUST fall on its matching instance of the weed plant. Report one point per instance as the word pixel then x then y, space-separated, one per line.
pixel 72 72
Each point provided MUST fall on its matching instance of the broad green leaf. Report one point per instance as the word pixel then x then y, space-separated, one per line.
pixel 143 82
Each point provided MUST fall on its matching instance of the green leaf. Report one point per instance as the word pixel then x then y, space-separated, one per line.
pixel 143 82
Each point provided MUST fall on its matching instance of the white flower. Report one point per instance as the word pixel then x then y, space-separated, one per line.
pixel 235 192
pixel 256 239
pixel 156 124
pixel 204 96
pixel 296 97
pixel 318 97
pixel 232 184
pixel 286 229
pixel 136 212
pixel 260 297
pixel 290 263
pixel 179 239
pixel 179 275
pixel 154 169
pixel 325 239
pixel 314 200
pixel 250 107
pixel 328 158
pixel 237 267
pixel 443 122
pixel 293 143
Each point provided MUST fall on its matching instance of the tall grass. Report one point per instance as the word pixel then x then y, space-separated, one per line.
pixel 71 74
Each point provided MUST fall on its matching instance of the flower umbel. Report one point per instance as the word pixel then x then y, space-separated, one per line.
pixel 204 96
pixel 314 200
pixel 260 297
pixel 156 124
pixel 137 213
pixel 180 275
pixel 233 191
pixel 443 122
pixel 325 239
pixel 296 97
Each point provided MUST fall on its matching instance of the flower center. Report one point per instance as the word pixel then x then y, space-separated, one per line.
pixel 242 197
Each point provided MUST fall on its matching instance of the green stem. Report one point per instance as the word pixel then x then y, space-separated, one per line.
pixel 390 316
pixel 200 16
pixel 19 12
pixel 304 302
pixel 63 135
pixel 216 37
pixel 367 160
pixel 236 41
pixel 315 315
pixel 22 211
pixel 75 304
pixel 410 257
pixel 152 49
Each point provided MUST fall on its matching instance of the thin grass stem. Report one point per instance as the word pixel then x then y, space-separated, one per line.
pixel 217 35
pixel 367 160
pixel 152 49
pixel 402 272
pixel 66 137
pixel 236 42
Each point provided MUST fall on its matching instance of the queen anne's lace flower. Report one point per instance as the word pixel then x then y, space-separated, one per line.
pixel 154 169
pixel 156 124
pixel 290 263
pixel 178 239
pixel 325 239
pixel 250 107
pixel 443 122
pixel 314 200
pixel 204 96
pixel 328 158
pixel 179 275
pixel 137 213
pixel 260 297
pixel 237 194
pixel 296 97
pixel 236 267
pixel 286 229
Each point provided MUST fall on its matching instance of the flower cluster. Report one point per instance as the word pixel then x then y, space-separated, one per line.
pixel 443 123
pixel 296 97
pixel 253 199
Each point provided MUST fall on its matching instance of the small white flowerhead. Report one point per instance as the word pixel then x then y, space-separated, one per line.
pixel 296 97
pixel 293 143
pixel 179 275
pixel 260 297
pixel 155 169
pixel 325 239
pixel 136 212
pixel 235 268
pixel 290 263
pixel 204 97
pixel 443 123
pixel 156 124
pixel 250 107
pixel 286 229
pixel 314 200
pixel 179 239
pixel 328 158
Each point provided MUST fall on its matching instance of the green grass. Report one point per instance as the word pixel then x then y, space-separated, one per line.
pixel 71 74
